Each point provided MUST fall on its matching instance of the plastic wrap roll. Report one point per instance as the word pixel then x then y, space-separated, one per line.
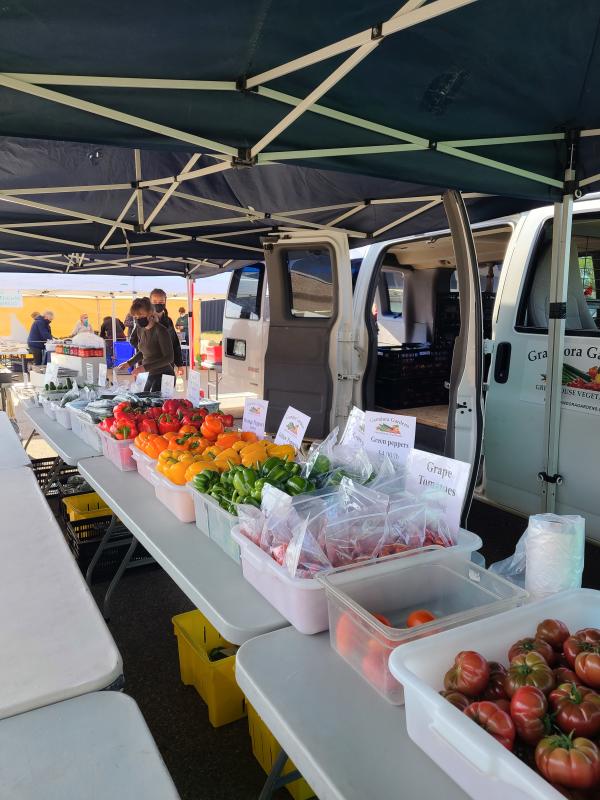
pixel 554 549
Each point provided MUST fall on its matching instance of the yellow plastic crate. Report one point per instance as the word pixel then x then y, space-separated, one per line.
pixel 213 680
pixel 266 748
pixel 84 506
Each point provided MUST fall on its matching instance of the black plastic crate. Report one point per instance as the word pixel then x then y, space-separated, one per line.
pixel 85 535
pixel 447 316
pixel 42 468
pixel 398 393
pixel 415 361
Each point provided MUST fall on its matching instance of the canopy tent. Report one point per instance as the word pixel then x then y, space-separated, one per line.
pixel 478 95
pixel 77 208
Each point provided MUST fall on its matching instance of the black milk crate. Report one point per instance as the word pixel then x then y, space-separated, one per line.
pixel 447 316
pixel 398 393
pixel 85 535
pixel 42 467
pixel 421 360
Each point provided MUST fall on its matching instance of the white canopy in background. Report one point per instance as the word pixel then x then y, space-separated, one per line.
pixel 104 285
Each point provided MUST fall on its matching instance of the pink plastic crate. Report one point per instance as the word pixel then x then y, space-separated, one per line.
pixel 145 464
pixel 118 451
pixel 176 498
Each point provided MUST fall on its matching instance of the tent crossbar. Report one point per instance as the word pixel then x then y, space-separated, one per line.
pixel 500 140
pixel 207 240
pixel 349 213
pixel 113 114
pixel 67 212
pixel 402 21
pixel 183 176
pixel 411 214
pixel 206 201
pixel 499 165
pixel 36 267
pixel 318 209
pixel 591 179
pixel 329 152
pixel 47 79
pixel 203 224
pixel 47 223
pixel 167 195
pixel 246 232
pixel 29 235
pixel 119 220
pixel 139 195
pixel 101 187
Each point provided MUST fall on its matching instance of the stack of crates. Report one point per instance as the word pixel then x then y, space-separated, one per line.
pixel 412 375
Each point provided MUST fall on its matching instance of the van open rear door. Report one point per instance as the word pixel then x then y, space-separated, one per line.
pixel 309 345
pixel 464 436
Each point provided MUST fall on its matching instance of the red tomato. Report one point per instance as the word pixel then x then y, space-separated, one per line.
pixel 420 617
pixel 529 712
pixel 493 720
pixel 503 703
pixel 574 763
pixel 469 674
pixel 529 670
pixel 375 667
pixel 345 635
pixel 529 645
pixel 495 689
pixel 457 699
pixel 382 618
pixel 564 675
pixel 552 631
pixel 587 640
pixel 577 709
pixel 587 667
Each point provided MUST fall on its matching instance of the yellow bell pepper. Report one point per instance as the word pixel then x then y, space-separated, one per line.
pixel 229 455
pixel 285 451
pixel 213 451
pixel 197 467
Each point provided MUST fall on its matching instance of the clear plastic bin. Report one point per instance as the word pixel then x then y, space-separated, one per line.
pixel 471 757
pixel 215 522
pixel 62 416
pixel 48 408
pixel 118 451
pixel 85 430
pixel 302 601
pixel 454 590
pixel 176 498
pixel 145 464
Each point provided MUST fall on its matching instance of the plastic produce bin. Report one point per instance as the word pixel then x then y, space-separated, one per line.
pixel 118 451
pixel 215 522
pixel 176 498
pixel 302 601
pixel 145 464
pixel 85 506
pixel 213 680
pixel 469 755
pixel 454 590
pixel 266 748
pixel 210 405
pixel 85 430
pixel 62 416
pixel 48 408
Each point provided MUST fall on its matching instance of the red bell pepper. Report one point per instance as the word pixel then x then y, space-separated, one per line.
pixel 126 417
pixel 123 430
pixel 148 425
pixel 203 411
pixel 106 424
pixel 192 417
pixel 153 413
pixel 227 420
pixel 171 406
pixel 124 408
pixel 168 423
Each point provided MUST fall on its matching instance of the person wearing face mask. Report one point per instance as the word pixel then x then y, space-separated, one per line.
pixel 154 345
pixel 82 325
pixel 158 298
pixel 39 334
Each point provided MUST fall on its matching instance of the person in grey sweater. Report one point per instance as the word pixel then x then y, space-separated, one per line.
pixel 155 349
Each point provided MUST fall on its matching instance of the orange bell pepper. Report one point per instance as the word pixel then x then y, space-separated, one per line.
pixel 197 444
pixel 228 439
pixel 187 429
pixel 154 445
pixel 239 445
pixel 249 437
pixel 171 435
pixel 212 426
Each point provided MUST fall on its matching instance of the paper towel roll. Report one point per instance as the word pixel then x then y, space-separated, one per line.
pixel 554 549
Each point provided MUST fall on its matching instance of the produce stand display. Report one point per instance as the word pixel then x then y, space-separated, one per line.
pixel 93 746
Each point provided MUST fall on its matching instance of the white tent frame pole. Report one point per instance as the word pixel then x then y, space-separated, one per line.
pixel 559 281
pixel 404 19
pixel 48 223
pixel 114 322
pixel 137 166
pixel 337 152
pixel 167 195
pixel 349 213
pixel 189 288
pixel 118 221
pixel 113 114
pixel 46 79
pixel 29 235
pixel 68 212
pixel 100 187
pixel 406 217
pixel 34 267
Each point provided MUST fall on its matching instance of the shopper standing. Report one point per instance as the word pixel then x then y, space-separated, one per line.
pixel 39 334
pixel 154 345
pixel 158 298
pixel 82 325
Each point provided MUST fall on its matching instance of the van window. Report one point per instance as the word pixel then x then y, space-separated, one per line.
pixel 310 282
pixel 245 290
pixel 583 294
pixel 394 286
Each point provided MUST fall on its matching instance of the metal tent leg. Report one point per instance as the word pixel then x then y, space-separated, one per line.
pixel 118 575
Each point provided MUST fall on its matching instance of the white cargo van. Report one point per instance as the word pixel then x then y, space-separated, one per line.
pixel 325 349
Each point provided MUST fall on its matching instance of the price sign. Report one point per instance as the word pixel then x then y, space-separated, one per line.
pixel 293 427
pixel 102 375
pixel 193 387
pixel 51 372
pixel 167 386
pixel 389 434
pixel 444 480
pixel 255 416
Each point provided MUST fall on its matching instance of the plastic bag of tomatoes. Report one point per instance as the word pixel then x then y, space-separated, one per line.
pixel 543 704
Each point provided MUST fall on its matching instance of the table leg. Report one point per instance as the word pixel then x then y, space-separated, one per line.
pixel 100 549
pixel 275 780
pixel 31 435
pixel 118 575
pixel 53 475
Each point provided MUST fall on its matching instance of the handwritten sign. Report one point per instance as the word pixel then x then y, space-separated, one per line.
pixel 443 480
pixel 167 386
pixel 293 427
pixel 140 382
pixel 389 434
pixel 51 372
pixel 89 373
pixel 255 416
pixel 193 387
pixel 102 375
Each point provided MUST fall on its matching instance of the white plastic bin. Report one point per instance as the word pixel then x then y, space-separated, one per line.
pixel 176 498
pixel 77 425
pixel 118 451
pixel 302 601
pixel 215 522
pixel 48 408
pixel 453 589
pixel 470 756
pixel 145 464
pixel 62 416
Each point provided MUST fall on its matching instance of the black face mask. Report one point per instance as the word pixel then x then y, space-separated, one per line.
pixel 159 307
pixel 142 322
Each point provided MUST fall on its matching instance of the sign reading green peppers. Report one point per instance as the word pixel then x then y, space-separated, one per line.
pixel 245 484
